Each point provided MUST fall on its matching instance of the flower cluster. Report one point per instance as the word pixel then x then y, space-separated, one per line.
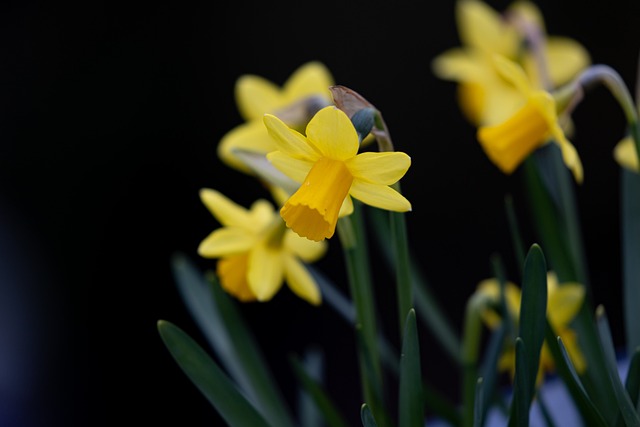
pixel 310 145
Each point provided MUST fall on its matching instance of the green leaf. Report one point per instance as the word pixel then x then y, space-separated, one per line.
pixel 440 405
pixel 411 409
pixel 632 383
pixel 630 235
pixel 218 318
pixel 324 404
pixel 533 310
pixel 212 382
pixel 367 417
pixel 627 408
pixel 588 410
pixel 521 402
pixel 478 407
pixel 489 368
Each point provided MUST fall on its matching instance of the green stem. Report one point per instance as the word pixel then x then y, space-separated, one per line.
pixel 470 350
pixel 352 238
pixel 403 269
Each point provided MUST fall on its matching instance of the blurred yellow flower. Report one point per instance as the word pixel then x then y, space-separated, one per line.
pixel 508 144
pixel 256 251
pixel 563 303
pixel 626 155
pixel 305 92
pixel 484 97
pixel 327 163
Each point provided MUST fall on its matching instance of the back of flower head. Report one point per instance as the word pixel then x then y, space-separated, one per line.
pixel 304 93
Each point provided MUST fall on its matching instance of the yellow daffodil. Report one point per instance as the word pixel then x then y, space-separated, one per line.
pixel 535 123
pixel 256 252
pixel 327 163
pixel 484 97
pixel 305 92
pixel 626 155
pixel 563 303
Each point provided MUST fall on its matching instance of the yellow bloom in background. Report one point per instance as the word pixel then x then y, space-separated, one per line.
pixel 626 155
pixel 327 163
pixel 536 122
pixel 563 303
pixel 484 97
pixel 256 252
pixel 305 92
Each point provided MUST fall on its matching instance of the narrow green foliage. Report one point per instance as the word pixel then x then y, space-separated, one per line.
pixel 221 323
pixel 411 408
pixel 519 415
pixel 533 309
pixel 478 407
pixel 632 383
pixel 331 415
pixel 627 408
pixel 367 417
pixel 207 376
pixel 630 235
pixel 403 270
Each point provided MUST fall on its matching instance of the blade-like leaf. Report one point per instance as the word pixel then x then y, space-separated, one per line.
pixel 411 409
pixel 212 382
pixel 632 383
pixel 520 404
pixel 478 408
pixel 533 310
pixel 630 235
pixel 588 410
pixel 324 404
pixel 367 417
pixel 216 314
pixel 627 408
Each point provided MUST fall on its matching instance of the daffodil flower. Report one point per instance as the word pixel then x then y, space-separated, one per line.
pixel 305 92
pixel 256 252
pixel 563 303
pixel 535 123
pixel 484 97
pixel 626 155
pixel 327 163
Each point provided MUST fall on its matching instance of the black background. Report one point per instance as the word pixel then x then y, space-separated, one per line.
pixel 110 116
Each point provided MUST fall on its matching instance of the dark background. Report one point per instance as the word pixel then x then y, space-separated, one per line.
pixel 110 116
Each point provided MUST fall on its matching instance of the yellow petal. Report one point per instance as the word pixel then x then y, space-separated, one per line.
pixel 265 271
pixel 528 11
pixel 296 169
pixel 501 102
pixel 333 134
pixel 289 141
pixel 305 249
pixel 626 155
pixel 462 65
pixel 312 78
pixel 250 136
pixel 483 28
pixel 225 242
pixel 232 274
pixel 379 168
pixel 261 214
pixel 300 281
pixel 255 96
pixel 313 210
pixel 564 303
pixel 513 73
pixel 226 211
pixel 565 59
pixel 379 196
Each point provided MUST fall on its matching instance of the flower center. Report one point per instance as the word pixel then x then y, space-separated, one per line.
pixel 312 211
pixel 232 272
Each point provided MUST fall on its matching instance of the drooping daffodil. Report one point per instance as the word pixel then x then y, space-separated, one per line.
pixel 256 252
pixel 326 162
pixel 563 303
pixel 484 97
pixel 534 123
pixel 304 93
